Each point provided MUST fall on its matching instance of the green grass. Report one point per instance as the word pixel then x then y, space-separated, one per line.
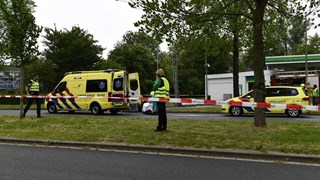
pixel 280 136
pixel 171 108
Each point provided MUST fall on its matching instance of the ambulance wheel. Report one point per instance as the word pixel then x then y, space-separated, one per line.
pixel 113 111
pixel 51 107
pixel 293 113
pixel 236 111
pixel 95 109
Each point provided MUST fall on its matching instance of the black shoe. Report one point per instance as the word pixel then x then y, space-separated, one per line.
pixel 157 130
pixel 39 116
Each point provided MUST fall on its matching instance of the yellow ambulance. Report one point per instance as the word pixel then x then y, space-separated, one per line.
pixel 95 91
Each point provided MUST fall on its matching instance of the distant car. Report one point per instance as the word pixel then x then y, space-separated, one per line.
pixel 274 95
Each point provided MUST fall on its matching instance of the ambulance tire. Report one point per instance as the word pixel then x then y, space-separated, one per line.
pixel 114 111
pixel 236 111
pixel 51 107
pixel 95 108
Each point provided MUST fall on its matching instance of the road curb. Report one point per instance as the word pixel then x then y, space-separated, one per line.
pixel 229 153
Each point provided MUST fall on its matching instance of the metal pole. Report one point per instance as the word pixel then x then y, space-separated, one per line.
pixel 176 81
pixel 21 93
pixel 206 69
pixel 306 48
pixel 157 59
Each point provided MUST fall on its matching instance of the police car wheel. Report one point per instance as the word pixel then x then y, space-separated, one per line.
pixel 236 111
pixel 51 108
pixel 293 113
pixel 95 109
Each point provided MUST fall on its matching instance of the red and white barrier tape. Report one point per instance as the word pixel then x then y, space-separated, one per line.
pixel 186 101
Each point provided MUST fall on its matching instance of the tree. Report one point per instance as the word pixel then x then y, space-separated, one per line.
pixel 135 58
pixel 46 71
pixel 3 30
pixel 314 44
pixel 193 55
pixel 170 19
pixel 71 50
pixel 20 31
pixel 136 52
pixel 140 38
pixel 20 34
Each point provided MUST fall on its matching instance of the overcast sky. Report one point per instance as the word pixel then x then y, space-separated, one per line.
pixel 106 20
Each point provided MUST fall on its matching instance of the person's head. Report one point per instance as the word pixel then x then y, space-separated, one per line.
pixel 315 86
pixel 160 72
pixel 308 83
pixel 35 77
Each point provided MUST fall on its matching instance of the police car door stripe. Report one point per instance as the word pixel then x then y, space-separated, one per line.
pixel 250 109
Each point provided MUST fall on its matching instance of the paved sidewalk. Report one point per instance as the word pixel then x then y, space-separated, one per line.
pixel 241 154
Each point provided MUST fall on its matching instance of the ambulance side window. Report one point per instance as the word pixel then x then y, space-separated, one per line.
pixel 97 85
pixel 61 87
pixel 118 84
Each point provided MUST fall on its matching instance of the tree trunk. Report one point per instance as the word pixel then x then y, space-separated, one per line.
pixel 235 63
pixel 259 61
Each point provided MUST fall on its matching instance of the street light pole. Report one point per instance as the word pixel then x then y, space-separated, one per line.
pixel 306 47
pixel 206 69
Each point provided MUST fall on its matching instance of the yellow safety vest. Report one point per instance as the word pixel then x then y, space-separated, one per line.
pixel 164 90
pixel 34 86
pixel 315 92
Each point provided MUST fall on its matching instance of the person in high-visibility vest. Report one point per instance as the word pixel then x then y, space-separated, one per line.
pixel 33 89
pixel 309 89
pixel 315 95
pixel 161 90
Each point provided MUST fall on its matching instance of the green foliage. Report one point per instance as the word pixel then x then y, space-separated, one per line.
pixel 140 38
pixel 313 46
pixel 20 31
pixel 135 58
pixel 135 53
pixel 71 50
pixel 46 70
pixel 192 62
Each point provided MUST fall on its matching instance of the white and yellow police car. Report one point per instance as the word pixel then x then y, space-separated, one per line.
pixel 275 95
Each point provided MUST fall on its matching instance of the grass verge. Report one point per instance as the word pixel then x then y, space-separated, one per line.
pixel 191 109
pixel 287 137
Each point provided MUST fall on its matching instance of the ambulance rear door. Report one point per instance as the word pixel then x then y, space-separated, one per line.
pixel 119 88
pixel 134 85
pixel 134 92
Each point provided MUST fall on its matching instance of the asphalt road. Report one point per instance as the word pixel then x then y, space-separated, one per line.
pixel 29 162
pixel 195 116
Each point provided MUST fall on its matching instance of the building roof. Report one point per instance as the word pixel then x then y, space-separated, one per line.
pixel 293 60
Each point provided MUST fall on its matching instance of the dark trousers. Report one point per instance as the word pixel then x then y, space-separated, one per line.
pixel 30 100
pixel 162 116
pixel 315 101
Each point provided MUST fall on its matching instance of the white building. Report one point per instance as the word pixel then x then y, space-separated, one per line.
pixel 220 86
pixel 9 78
